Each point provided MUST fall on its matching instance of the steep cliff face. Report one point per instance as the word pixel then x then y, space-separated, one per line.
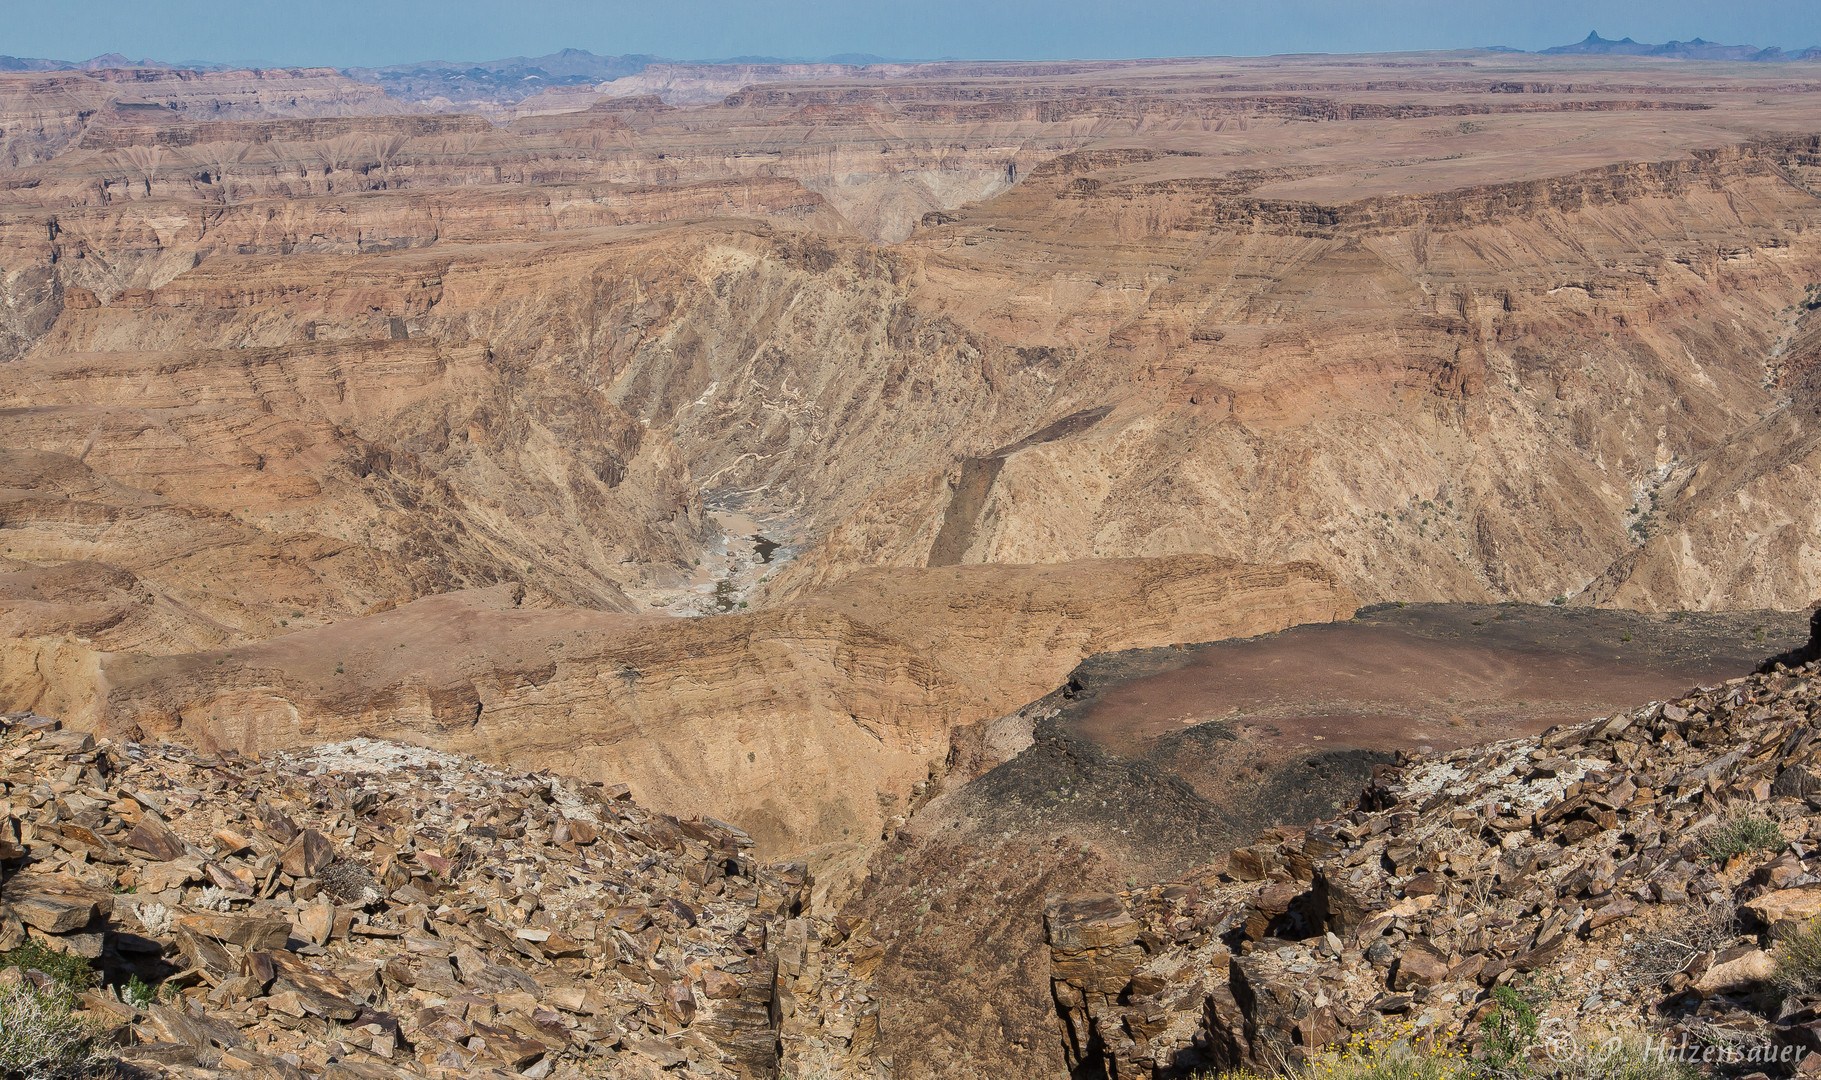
pixel 608 370
pixel 1211 351
pixel 83 259
pixel 1736 519
pixel 1472 407
pixel 312 482
pixel 811 726
pixel 1384 398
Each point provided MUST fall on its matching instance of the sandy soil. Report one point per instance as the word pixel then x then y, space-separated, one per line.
pixel 1435 674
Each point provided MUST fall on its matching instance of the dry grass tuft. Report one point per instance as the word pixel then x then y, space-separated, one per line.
pixel 1798 956
pixel 41 1038
pixel 1743 833
pixel 1658 956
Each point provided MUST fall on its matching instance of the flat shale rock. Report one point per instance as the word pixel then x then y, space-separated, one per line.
pixel 54 903
pixel 252 933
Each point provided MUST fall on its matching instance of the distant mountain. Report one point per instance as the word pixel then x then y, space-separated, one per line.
pixel 106 60
pixel 844 59
pixel 498 81
pixel 1595 45
pixel 858 59
pixel 509 81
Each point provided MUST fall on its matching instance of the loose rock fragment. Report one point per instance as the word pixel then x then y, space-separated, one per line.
pixel 365 910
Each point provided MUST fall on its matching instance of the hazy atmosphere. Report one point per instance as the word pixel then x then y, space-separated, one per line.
pixel 348 33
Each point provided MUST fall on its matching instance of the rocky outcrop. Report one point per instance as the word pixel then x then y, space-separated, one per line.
pixel 1805 653
pixel 367 907
pixel 1605 857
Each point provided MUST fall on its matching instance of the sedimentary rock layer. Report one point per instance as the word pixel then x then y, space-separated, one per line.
pixel 812 724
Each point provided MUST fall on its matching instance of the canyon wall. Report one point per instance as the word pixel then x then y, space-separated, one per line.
pixel 811 726
pixel 1016 363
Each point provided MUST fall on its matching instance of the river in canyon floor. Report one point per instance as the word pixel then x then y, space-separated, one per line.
pixel 747 547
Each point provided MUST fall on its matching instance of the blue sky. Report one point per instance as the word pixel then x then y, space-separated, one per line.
pixel 346 33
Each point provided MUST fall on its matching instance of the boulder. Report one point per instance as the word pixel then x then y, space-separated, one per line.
pixel 152 836
pixel 247 932
pixel 1786 905
pixel 1748 968
pixel 1419 965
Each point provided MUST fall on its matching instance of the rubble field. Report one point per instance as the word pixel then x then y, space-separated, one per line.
pixel 374 910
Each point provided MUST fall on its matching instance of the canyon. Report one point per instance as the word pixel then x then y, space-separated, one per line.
pixel 915 467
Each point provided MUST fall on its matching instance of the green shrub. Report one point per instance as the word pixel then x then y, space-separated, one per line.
pixel 1399 1056
pixel 1511 1029
pixel 1742 833
pixel 1798 956
pixel 138 993
pixel 68 969
pixel 41 1038
pixel 1624 1060
pixel 1387 1054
